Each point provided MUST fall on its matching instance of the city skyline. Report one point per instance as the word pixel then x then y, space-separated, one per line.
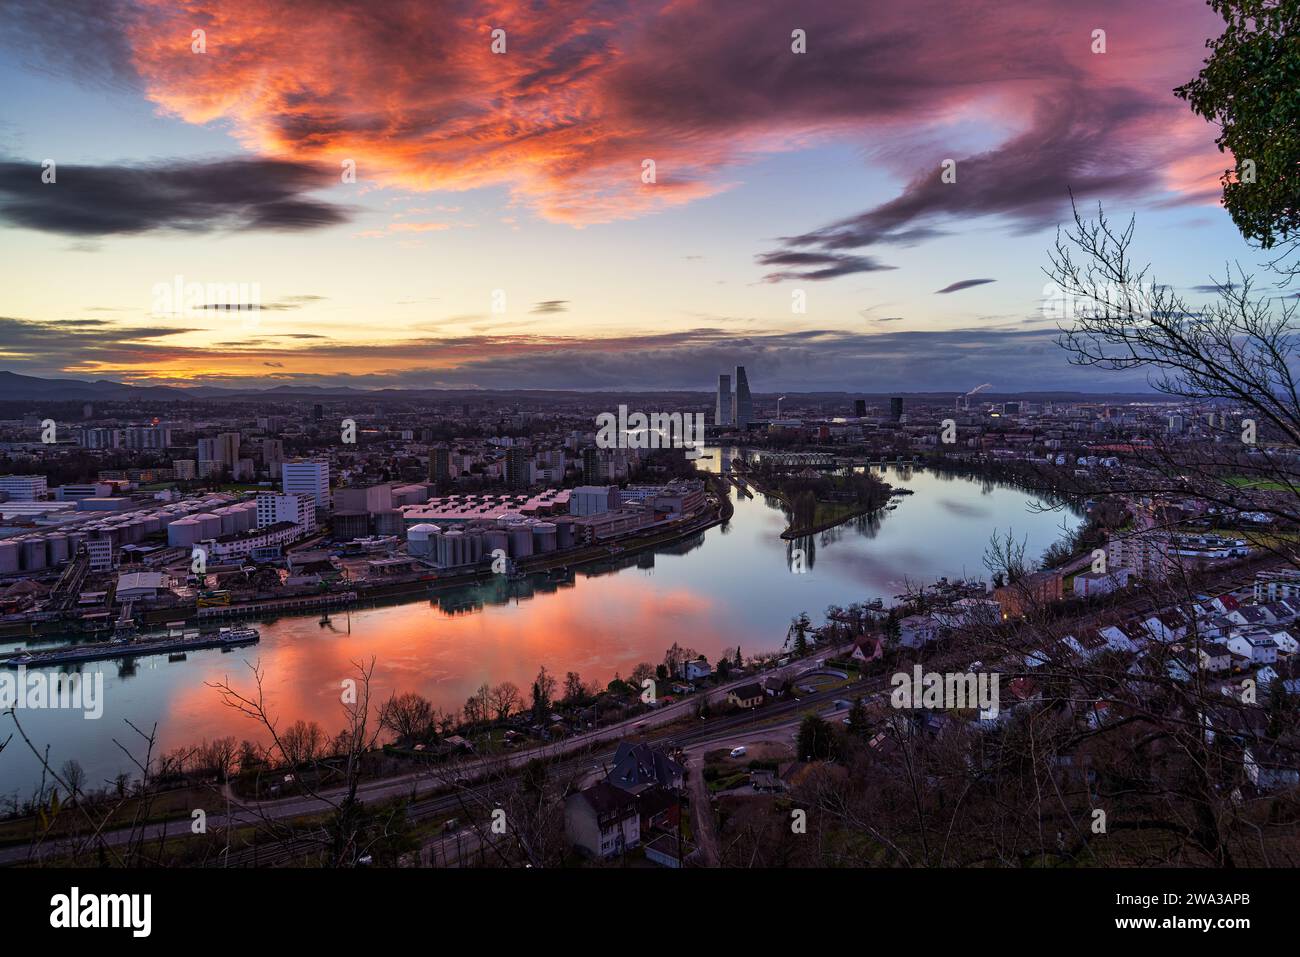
pixel 521 173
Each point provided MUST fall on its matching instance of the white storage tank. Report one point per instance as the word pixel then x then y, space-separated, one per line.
pixel 209 525
pixel 56 548
pixel 419 539
pixel 496 538
pixel 9 557
pixel 564 533
pixel 521 541
pixel 544 537
pixel 247 516
pixel 229 520
pixel 451 548
pixel 184 532
pixel 32 555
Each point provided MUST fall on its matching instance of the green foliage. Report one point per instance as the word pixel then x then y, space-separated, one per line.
pixel 816 739
pixel 1250 88
pixel 858 718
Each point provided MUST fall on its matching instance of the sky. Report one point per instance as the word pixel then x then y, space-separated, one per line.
pixel 504 228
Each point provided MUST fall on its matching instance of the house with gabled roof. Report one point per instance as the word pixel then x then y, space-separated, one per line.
pixel 1258 646
pixel 1216 657
pixel 602 820
pixel 638 766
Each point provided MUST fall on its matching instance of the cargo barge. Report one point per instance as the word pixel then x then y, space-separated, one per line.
pixel 133 648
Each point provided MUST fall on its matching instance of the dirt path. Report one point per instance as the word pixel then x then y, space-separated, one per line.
pixel 703 821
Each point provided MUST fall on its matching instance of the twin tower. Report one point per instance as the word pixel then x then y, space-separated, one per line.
pixel 734 408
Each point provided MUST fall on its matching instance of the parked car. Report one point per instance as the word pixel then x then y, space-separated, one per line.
pixel 738 752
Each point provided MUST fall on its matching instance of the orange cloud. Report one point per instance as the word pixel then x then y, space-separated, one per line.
pixel 585 91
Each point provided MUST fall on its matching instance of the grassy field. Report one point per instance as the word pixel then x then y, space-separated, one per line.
pixel 1245 481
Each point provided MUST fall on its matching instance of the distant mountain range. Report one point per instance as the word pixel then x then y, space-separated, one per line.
pixel 20 388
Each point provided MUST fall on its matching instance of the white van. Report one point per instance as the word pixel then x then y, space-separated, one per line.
pixel 738 752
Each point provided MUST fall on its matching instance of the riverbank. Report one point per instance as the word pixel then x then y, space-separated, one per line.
pixel 710 592
pixel 409 590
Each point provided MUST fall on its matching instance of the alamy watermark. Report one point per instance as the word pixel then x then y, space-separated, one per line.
pixel 194 299
pixel 40 690
pixel 658 430
pixel 936 690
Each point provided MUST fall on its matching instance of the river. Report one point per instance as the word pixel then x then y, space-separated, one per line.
pixel 734 584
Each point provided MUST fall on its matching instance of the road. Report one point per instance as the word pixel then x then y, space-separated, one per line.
pixel 586 744
pixel 425 782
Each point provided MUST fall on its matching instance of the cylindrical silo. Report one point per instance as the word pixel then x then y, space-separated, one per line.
pixel 544 537
pixel 56 548
pixel 521 541
pixel 496 538
pixel 209 525
pixel 184 532
pixel 229 521
pixel 32 555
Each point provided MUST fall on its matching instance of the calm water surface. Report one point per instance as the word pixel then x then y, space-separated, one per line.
pixel 730 585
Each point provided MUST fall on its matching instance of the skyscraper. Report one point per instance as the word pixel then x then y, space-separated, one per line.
pixel 519 468
pixel 896 408
pixel 860 408
pixel 440 465
pixel 593 466
pixel 744 404
pixel 722 414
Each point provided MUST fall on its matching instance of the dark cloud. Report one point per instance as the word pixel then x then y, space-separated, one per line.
pixel 1214 288
pixel 287 304
pixel 908 361
pixel 84 39
pixel 221 195
pixel 548 306
pixel 1073 145
pixel 962 284
pixel 817 265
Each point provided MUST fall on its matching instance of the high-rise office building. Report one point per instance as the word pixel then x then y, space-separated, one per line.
pixel 149 436
pixel 744 403
pixel 219 453
pixel 318 412
pixel 519 468
pixel 272 454
pixel 100 438
pixel 859 408
pixel 896 408
pixel 307 477
pixel 594 468
pixel 440 465
pixel 722 412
